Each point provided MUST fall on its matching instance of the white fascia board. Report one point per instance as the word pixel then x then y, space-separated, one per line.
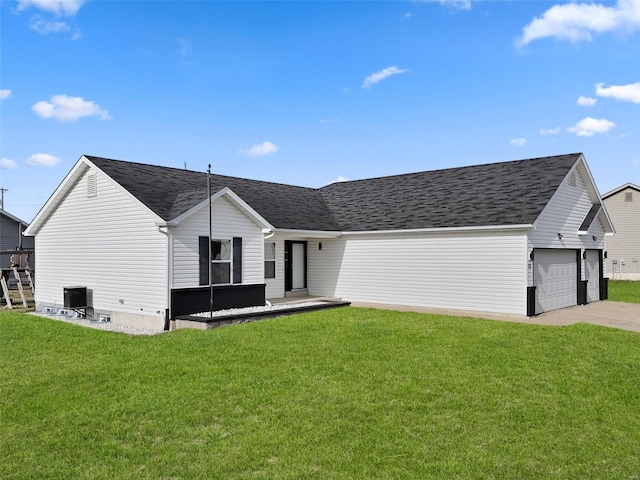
pixel 606 222
pixel 57 196
pixel 486 228
pixel 236 200
pixel 126 192
pixel 292 232
pixel 81 166
pixel 603 215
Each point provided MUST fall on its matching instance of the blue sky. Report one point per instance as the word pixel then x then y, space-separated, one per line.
pixel 307 93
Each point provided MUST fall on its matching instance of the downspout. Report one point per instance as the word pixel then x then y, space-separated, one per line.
pixel 165 229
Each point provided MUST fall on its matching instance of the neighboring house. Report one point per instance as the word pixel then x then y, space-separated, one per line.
pixel 623 251
pixel 12 239
pixel 519 237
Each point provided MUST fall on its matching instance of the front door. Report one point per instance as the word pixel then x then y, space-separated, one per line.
pixel 295 265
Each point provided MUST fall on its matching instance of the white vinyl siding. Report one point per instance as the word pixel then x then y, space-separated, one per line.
pixel 625 245
pixel 228 222
pixel 564 214
pixel 108 243
pixel 463 271
pixel 275 286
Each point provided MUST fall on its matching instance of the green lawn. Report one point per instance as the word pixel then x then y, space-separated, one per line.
pixel 624 291
pixel 337 394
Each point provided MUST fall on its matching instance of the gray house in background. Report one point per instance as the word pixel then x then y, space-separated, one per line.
pixel 521 237
pixel 12 238
pixel 623 250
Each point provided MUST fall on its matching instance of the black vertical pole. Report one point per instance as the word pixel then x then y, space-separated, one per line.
pixel 210 240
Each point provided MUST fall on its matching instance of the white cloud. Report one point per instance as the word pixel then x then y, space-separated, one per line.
pixel 550 131
pixel 330 120
pixel 587 101
pixel 381 75
pixel 58 7
pixel 4 94
pixel 260 149
pixel 68 109
pixel 459 4
pixel 588 127
pixel 43 160
pixel 7 163
pixel 44 26
pixel 185 47
pixel 578 21
pixel 628 93
pixel 340 179
pixel 518 142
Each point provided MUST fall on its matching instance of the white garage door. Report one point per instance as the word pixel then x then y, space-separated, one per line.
pixel 556 279
pixel 592 274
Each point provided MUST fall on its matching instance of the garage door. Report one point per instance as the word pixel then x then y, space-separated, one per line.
pixel 592 274
pixel 555 276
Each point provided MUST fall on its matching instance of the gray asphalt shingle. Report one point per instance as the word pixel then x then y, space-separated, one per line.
pixel 507 193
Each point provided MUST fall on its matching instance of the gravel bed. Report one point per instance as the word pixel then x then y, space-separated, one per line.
pixel 111 327
pixel 108 326
pixel 265 308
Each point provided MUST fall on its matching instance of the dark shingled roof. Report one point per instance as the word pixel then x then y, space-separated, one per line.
pixel 508 193
pixel 169 192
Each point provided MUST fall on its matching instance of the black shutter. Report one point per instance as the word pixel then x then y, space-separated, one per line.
pixel 237 260
pixel 203 247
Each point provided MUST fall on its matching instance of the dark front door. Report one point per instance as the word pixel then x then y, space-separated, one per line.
pixel 295 264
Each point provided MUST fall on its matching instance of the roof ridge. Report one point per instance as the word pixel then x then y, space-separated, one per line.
pixel 479 165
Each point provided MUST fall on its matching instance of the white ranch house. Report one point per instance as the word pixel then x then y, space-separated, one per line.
pixel 520 237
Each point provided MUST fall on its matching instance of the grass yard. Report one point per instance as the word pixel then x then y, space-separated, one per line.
pixel 336 394
pixel 624 291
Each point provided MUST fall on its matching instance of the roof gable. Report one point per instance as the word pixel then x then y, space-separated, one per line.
pixel 236 201
pixel 621 188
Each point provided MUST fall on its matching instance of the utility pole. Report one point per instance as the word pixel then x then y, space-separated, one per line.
pixel 2 190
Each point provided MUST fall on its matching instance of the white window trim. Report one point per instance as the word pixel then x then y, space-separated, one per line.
pixel 230 261
pixel 270 260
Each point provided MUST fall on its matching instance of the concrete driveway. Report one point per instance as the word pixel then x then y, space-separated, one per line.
pixel 608 314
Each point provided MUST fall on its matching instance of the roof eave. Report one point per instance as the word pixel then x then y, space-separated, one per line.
pixel 484 228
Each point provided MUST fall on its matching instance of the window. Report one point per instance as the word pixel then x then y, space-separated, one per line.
pixel 220 261
pixel 269 260
pixel 226 260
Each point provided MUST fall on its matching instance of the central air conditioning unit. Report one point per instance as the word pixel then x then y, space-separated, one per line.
pixel 75 297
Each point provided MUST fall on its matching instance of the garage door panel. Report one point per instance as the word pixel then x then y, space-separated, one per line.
pixel 555 278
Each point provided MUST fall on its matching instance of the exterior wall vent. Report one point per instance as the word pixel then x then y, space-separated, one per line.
pixel 572 179
pixel 92 185
pixel 628 196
